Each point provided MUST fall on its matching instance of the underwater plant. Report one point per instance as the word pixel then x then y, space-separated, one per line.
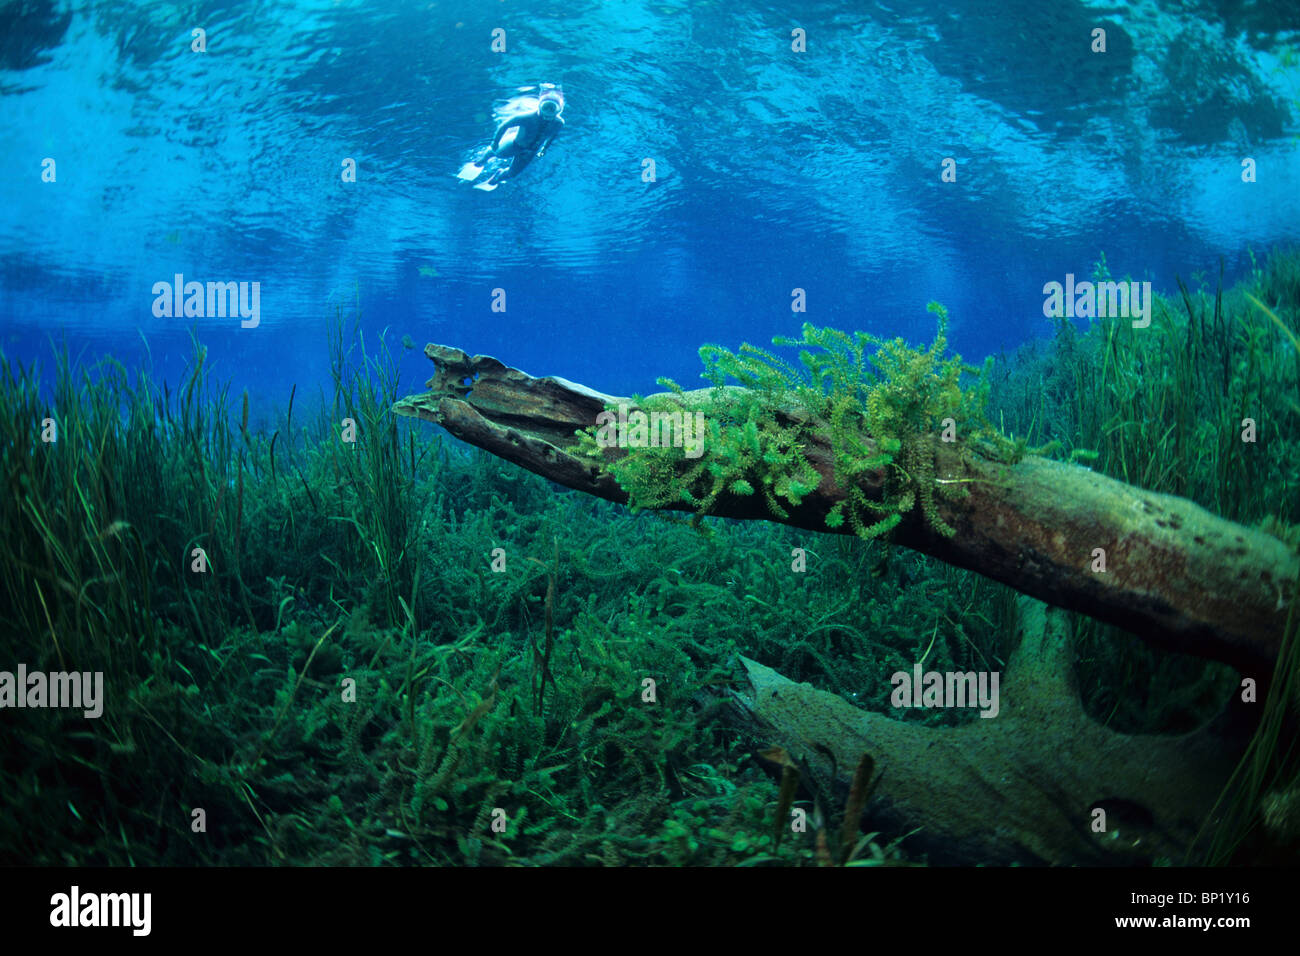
pixel 1168 409
pixel 329 560
pixel 888 411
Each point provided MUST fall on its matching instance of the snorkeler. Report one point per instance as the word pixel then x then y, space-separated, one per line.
pixel 521 137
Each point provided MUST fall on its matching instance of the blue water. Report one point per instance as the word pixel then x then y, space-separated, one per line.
pixel 775 170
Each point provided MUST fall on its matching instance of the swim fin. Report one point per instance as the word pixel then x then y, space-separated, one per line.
pixel 469 172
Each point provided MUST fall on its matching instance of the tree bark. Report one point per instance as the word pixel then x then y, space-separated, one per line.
pixel 1175 575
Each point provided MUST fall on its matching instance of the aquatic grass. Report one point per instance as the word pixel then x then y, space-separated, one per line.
pixel 100 536
pixel 87 565
pixel 223 686
pixel 1269 770
pixel 1163 407
pixel 371 561
pixel 377 469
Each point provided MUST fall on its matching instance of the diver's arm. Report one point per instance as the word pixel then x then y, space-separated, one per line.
pixel 501 130
pixel 559 125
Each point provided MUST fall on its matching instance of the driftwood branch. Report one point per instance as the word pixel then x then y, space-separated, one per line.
pixel 1175 574
pixel 1021 787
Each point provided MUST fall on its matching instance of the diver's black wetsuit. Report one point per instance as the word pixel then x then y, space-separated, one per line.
pixel 535 134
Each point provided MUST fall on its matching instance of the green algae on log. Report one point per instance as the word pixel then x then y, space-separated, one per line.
pixel 1175 575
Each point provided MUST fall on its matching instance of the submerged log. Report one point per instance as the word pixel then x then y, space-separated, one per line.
pixel 1022 787
pixel 1175 575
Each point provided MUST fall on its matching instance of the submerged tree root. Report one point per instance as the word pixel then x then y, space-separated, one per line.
pixel 1023 786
